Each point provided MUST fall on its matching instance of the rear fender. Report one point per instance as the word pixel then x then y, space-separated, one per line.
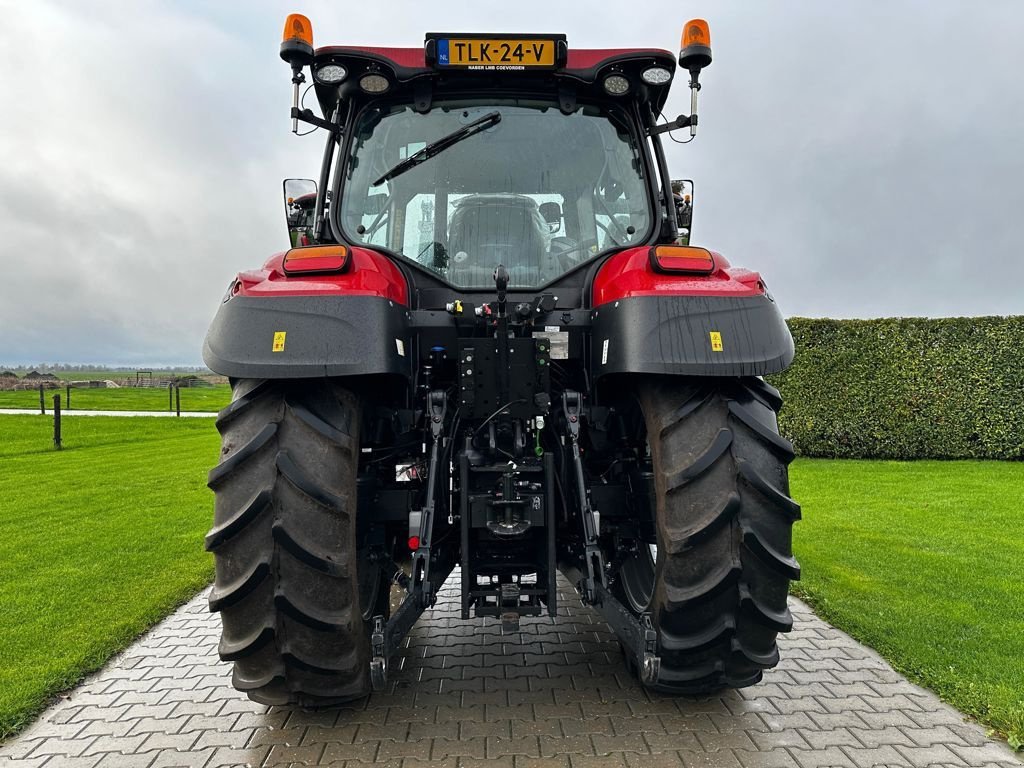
pixel 353 323
pixel 722 324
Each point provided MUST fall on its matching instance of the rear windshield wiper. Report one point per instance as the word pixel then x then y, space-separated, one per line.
pixel 434 148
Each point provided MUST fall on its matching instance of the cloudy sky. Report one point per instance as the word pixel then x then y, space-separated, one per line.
pixel 866 157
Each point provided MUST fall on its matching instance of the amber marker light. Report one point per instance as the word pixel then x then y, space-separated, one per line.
pixel 682 258
pixel 316 258
pixel 297 41
pixel 695 46
pixel 696 32
pixel 297 28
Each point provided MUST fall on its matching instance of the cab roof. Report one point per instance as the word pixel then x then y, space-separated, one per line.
pixel 584 68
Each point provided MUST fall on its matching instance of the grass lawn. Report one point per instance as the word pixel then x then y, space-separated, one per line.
pixel 123 399
pixel 97 542
pixel 923 562
pixel 109 373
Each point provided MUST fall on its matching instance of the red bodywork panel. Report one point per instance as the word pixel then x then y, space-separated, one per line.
pixel 626 274
pixel 629 273
pixel 368 274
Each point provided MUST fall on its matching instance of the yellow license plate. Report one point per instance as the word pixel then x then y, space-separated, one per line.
pixel 495 54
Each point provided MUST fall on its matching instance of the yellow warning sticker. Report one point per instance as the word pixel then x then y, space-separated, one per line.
pixel 716 341
pixel 279 341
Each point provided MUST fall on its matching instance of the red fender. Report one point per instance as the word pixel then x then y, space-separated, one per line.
pixel 368 274
pixel 629 273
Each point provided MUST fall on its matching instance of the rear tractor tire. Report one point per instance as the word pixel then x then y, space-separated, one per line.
pixel 289 575
pixel 717 582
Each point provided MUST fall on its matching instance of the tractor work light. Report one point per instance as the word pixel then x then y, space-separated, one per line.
pixel 373 82
pixel 682 258
pixel 330 74
pixel 656 76
pixel 316 258
pixel 616 85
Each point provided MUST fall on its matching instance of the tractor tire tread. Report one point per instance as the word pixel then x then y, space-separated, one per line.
pixel 240 456
pixel 724 519
pixel 259 503
pixel 284 544
pixel 702 463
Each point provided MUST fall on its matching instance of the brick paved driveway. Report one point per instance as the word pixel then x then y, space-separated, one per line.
pixel 555 694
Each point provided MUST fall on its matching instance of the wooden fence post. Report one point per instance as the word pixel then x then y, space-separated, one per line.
pixel 56 422
pixel 177 399
pixel 42 401
pixel 68 403
pixel 170 396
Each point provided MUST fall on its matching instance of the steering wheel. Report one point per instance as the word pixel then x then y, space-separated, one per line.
pixel 582 249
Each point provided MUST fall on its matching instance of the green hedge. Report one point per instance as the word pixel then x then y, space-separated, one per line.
pixel 906 388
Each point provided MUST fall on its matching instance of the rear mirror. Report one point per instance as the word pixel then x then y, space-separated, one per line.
pixel 374 205
pixel 552 213
pixel 300 210
pixel 682 196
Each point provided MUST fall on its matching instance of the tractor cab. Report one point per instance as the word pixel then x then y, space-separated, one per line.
pixel 445 156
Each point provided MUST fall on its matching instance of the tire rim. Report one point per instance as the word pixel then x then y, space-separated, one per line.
pixel 638 575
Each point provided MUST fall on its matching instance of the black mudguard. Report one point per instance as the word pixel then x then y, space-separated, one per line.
pixel 675 335
pixel 324 336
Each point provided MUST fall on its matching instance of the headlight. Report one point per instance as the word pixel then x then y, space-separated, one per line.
pixel 331 74
pixel 656 76
pixel 616 85
pixel 374 83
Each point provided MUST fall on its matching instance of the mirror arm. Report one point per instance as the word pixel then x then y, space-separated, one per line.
pixel 683 121
pixel 321 224
pixel 297 80
pixel 307 116
pixel 669 227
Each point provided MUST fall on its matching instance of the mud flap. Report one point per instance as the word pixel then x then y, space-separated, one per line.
pixel 690 336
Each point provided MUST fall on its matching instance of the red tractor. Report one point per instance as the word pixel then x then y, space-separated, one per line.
pixel 493 355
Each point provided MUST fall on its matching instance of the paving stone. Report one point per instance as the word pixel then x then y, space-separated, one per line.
pixel 464 695
pixel 524 728
pixel 871 756
pixel 593 761
pixel 529 747
pixel 768 758
pixel 924 757
pixel 117 760
pixel 6 761
pixel 57 746
pixel 989 754
pixel 604 745
pixel 672 742
pixel 658 760
pixel 836 737
pixel 831 757
pixel 307 755
pixel 82 761
pixel 474 748
pixel 559 761
pixel 116 744
pixel 891 736
pixel 724 759
pixel 365 752
pixel 119 728
pixel 168 758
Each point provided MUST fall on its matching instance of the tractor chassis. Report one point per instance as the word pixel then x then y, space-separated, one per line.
pixel 432 566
